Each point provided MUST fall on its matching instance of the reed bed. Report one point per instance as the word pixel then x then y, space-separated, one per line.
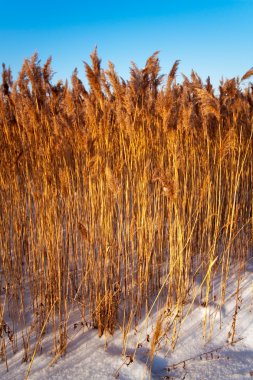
pixel 119 197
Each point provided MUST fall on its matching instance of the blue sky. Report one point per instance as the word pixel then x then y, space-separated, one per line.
pixel 212 37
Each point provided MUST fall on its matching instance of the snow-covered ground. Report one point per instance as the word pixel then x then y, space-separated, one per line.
pixel 91 357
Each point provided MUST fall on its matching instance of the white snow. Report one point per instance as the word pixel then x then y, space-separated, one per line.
pixel 91 357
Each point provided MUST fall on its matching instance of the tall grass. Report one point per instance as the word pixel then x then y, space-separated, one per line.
pixel 118 196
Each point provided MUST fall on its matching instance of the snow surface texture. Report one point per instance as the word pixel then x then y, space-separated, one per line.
pixel 90 357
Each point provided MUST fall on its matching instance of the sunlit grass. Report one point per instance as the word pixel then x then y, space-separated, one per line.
pixel 117 197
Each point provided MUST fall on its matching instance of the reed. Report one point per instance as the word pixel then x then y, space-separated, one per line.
pixel 116 195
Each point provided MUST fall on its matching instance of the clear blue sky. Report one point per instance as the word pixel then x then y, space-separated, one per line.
pixel 213 37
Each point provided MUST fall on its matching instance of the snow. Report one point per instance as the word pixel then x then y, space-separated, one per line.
pixel 91 357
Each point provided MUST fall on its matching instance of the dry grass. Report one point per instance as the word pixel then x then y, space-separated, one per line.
pixel 116 195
